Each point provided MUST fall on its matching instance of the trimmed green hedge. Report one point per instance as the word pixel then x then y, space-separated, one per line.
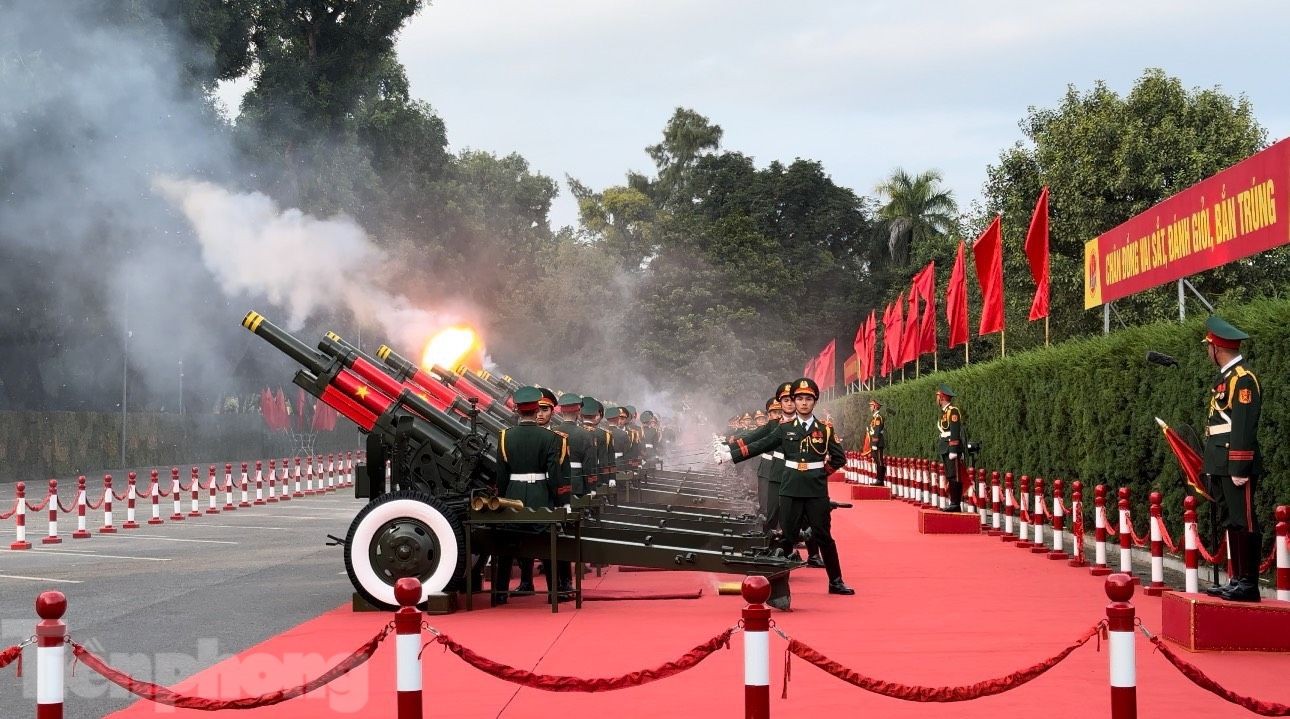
pixel 1084 410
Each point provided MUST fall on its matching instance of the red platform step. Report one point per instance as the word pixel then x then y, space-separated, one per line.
pixel 1199 622
pixel 931 521
pixel 869 491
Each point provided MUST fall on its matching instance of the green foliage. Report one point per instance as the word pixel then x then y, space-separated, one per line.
pixel 917 211
pixel 1084 409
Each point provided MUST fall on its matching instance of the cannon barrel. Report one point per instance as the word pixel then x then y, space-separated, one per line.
pixel 487 397
pixel 463 381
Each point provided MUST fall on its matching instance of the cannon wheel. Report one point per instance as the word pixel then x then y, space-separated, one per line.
pixel 403 534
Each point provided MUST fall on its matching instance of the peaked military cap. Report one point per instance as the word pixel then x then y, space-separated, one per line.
pixel 631 411
pixel 873 400
pixel 1221 333
pixel 806 385
pixel 548 397
pixel 772 403
pixel 784 389
pixel 945 390
pixel 569 400
pixel 759 413
pixel 746 415
pixel 527 399
pixel 647 416
pixel 591 407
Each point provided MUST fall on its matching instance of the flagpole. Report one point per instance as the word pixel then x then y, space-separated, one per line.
pixel 935 362
pixel 1045 330
pixel 918 365
pixel 1003 343
pixel 967 359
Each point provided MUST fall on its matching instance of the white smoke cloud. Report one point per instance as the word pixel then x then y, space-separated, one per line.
pixel 302 264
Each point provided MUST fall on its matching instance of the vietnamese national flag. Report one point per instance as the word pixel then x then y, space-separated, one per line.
pixel 956 314
pixel 925 281
pixel 1188 458
pixel 988 253
pixel 1037 254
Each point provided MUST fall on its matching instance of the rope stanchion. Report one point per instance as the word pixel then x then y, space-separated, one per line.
pixel 915 693
pixel 154 492
pixel 285 479
pixel 996 526
pixel 51 635
pixel 107 527
pixel 407 662
pixel 309 475
pixel 1283 553
pixel 1039 517
pixel 1058 518
pixel 295 478
pixel 1157 585
pixel 1077 525
pixel 273 484
pixel 211 507
pixel 175 490
pixel 81 532
pixel 1126 534
pixel 242 486
pixel 1190 569
pixel 259 484
pixel 195 489
pixel 1202 680
pixel 20 518
pixel 1023 517
pixel 1099 568
pixel 167 696
pixel 1123 667
pixel 228 488
pixel 559 683
pixel 1009 508
pixel 331 473
pixel 131 496
pixel 756 623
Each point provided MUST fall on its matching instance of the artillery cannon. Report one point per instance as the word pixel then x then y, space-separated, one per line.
pixel 431 429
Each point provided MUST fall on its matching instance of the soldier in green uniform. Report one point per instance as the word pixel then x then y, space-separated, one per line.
pixel 1233 461
pixel 878 441
pixel 529 460
pixel 811 453
pixel 651 440
pixel 615 417
pixel 764 468
pixel 602 456
pixel 950 445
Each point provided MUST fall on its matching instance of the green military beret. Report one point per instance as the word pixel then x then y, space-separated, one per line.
pixel 591 407
pixel 1222 333
pixel 945 390
pixel 570 400
pixel 527 398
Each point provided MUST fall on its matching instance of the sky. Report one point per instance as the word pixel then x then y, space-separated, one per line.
pixel 581 87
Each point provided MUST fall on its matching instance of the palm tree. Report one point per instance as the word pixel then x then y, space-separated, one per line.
pixel 917 209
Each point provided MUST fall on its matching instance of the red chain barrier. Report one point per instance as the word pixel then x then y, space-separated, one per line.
pixel 915 693
pixel 39 506
pixel 63 509
pixel 1204 553
pixel 1077 531
pixel 557 683
pixel 1199 678
pixel 1138 540
pixel 1167 538
pixel 164 695
pixel 11 512
pixel 1270 561
pixel 10 655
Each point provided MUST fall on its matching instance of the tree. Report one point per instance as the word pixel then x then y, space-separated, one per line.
pixel 1106 158
pixel 917 210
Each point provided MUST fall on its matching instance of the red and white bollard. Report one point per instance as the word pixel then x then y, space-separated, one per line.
pixel 243 487
pixel 20 518
pixel 295 478
pixel 309 476
pixel 195 489
pixel 228 488
pixel 214 493
pixel 51 637
pixel 1191 567
pixel 81 500
pixel 1283 553
pixel 1126 536
pixel 273 483
pixel 131 496
pixel 996 520
pixel 154 493
pixel 1157 585
pixel 52 537
pixel 982 503
pixel 286 483
pixel 1059 522
pixel 1099 568
pixel 107 527
pixel 1038 518
pixel 1009 508
pixel 407 660
pixel 1123 663
pixel 1077 525
pixel 1023 531
pixel 331 473
pixel 756 621
pixel 176 496
pixel 349 468
pixel 259 483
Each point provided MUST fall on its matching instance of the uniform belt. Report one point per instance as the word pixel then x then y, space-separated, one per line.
pixel 529 477
pixel 804 466
pixel 576 465
pixel 767 456
pixel 777 455
pixel 1213 429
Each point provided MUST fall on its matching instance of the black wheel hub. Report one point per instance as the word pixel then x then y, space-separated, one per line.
pixel 403 547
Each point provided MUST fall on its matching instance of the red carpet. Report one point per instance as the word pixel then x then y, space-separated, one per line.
pixel 930 609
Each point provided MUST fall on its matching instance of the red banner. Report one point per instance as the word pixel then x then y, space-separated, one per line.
pixel 851 370
pixel 1236 213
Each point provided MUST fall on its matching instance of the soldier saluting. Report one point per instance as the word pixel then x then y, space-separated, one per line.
pixel 949 444
pixel 877 432
pixel 1232 458
pixel 811 453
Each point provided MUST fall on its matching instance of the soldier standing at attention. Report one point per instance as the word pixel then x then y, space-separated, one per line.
pixel 1233 461
pixel 878 441
pixel 529 459
pixel 616 417
pixel 592 413
pixel 651 439
pixel 811 453
pixel 950 445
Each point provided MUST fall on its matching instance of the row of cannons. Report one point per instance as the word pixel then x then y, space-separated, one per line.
pixel 435 432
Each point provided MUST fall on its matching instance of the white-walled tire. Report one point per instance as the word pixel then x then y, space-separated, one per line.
pixel 403 534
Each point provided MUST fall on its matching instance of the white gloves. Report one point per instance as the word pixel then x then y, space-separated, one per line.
pixel 1240 481
pixel 953 456
pixel 722 455
pixel 613 483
